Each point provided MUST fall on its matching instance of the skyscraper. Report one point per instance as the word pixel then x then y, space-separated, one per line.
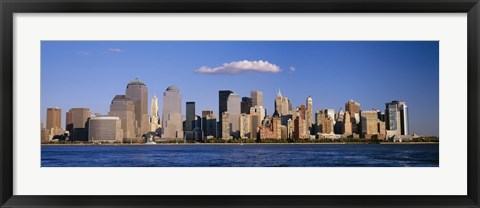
pixel 190 117
pixel 282 104
pixel 54 118
pixel 233 108
pixel 205 114
pixel 226 124
pixel 222 106
pixel 154 118
pixel 309 113
pixel 172 114
pixel 124 108
pixel 257 98
pixel 257 113
pixel 77 123
pixel 245 125
pixel 352 107
pixel 245 105
pixel 396 117
pixel 210 126
pixel 137 91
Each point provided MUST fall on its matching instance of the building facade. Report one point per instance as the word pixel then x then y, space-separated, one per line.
pixel 190 116
pixel 257 98
pixel 154 120
pixel 309 112
pixel 172 124
pixel 54 118
pixel 137 91
pixel 124 108
pixel 245 105
pixel 222 107
pixel 233 108
pixel 77 123
pixel 105 129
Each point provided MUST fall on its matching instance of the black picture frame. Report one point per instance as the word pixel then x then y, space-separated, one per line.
pixel 10 7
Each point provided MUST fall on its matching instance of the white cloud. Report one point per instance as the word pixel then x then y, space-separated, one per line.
pixel 241 66
pixel 116 50
pixel 292 69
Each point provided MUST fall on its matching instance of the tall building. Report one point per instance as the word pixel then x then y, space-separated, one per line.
pixel 123 108
pixel 347 124
pixel 309 112
pixel 282 104
pixel 257 98
pixel 77 118
pixel 222 106
pixel 105 129
pixel 354 109
pixel 271 127
pixel 54 118
pixel 154 118
pixel 396 117
pixel 190 117
pixel 371 126
pixel 245 125
pixel 205 113
pixel 226 126
pixel 210 126
pixel 325 121
pixel 77 123
pixel 172 114
pixel 339 122
pixel 257 113
pixel 233 108
pixel 299 128
pixel 245 105
pixel 330 113
pixel 137 91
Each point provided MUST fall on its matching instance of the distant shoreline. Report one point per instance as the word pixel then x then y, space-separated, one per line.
pixel 169 144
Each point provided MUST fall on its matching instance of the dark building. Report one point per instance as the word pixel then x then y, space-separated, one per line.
pixel 205 113
pixel 222 106
pixel 190 117
pixel 396 117
pixel 77 123
pixel 245 105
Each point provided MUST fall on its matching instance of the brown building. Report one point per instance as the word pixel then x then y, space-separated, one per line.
pixel 256 118
pixel 303 112
pixel 271 128
pixel 123 108
pixel 371 126
pixel 352 107
pixel 325 122
pixel 299 126
pixel 137 91
pixel 54 118
pixel 347 124
pixel 77 123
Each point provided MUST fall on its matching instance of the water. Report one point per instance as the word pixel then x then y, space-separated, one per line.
pixel 248 155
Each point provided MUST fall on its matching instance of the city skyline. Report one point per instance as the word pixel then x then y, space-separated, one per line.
pixel 376 85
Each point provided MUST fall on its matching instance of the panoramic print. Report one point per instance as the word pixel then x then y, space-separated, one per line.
pixel 239 104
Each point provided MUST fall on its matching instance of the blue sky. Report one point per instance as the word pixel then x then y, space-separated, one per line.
pixel 90 73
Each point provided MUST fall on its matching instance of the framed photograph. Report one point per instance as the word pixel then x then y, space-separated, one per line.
pixel 239 104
